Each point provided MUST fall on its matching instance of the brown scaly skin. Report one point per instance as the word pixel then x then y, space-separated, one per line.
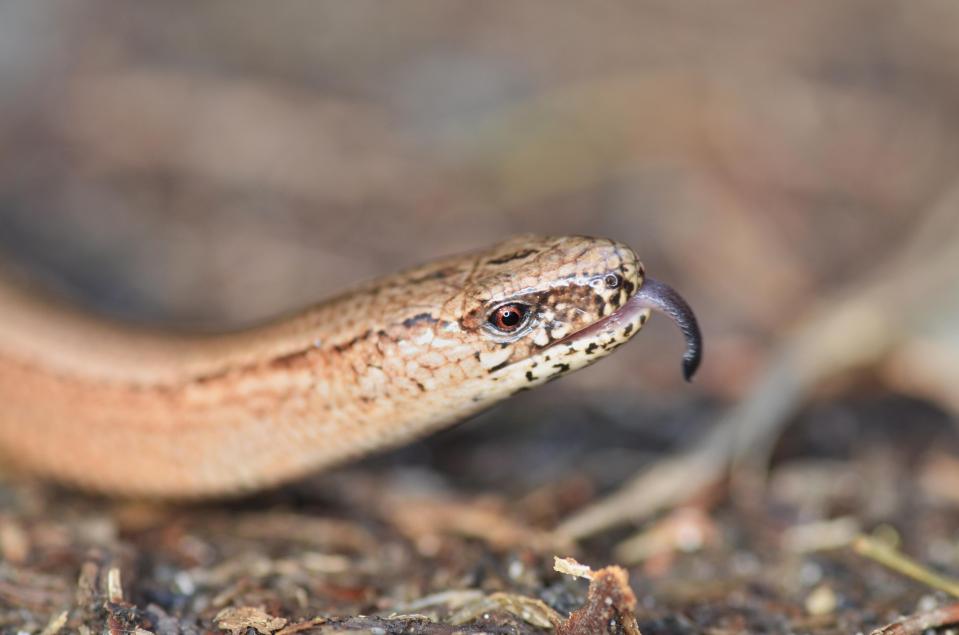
pixel 133 412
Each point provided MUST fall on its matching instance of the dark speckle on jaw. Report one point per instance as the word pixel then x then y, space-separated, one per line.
pixel 499 366
pixel 529 376
pixel 562 367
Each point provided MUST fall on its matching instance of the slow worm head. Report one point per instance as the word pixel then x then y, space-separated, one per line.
pixel 129 411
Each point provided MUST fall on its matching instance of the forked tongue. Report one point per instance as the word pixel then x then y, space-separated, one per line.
pixel 661 297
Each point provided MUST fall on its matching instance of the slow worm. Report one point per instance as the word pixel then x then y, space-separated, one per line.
pixel 129 411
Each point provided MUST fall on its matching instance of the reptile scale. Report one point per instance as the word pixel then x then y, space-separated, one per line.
pixel 129 411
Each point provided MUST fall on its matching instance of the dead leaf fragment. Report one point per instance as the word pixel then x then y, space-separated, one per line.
pixel 610 602
pixel 570 566
pixel 530 610
pixel 238 619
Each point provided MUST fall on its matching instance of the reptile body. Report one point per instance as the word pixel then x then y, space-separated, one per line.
pixel 130 411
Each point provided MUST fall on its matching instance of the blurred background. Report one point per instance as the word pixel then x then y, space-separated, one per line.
pixel 213 165
pixel 791 168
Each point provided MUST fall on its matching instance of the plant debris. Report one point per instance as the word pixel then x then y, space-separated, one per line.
pixel 239 619
pixel 610 603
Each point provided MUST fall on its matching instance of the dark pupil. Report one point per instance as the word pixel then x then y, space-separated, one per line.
pixel 509 317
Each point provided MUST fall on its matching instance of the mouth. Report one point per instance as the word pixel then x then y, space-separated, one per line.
pixel 652 296
pixel 628 314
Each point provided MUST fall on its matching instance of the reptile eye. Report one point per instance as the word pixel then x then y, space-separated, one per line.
pixel 508 317
pixel 612 280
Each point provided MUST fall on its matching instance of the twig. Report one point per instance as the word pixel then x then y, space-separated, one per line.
pixel 894 559
pixel 921 622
